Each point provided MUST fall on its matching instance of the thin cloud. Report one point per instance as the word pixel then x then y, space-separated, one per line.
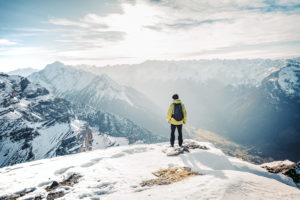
pixel 170 29
pixel 190 23
pixel 83 23
pixel 5 42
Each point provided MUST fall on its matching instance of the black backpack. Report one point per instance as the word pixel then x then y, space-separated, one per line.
pixel 177 113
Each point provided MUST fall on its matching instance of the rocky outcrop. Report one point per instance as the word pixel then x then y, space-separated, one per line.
pixel 291 170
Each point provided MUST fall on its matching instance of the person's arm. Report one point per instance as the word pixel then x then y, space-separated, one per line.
pixel 184 113
pixel 170 112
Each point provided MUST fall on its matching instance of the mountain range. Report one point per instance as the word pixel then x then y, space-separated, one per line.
pixel 23 71
pixel 77 108
pixel 250 101
pixel 34 124
pixel 101 92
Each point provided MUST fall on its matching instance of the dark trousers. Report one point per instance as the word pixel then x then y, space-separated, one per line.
pixel 172 139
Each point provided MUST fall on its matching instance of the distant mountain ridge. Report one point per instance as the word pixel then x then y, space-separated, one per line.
pixel 23 71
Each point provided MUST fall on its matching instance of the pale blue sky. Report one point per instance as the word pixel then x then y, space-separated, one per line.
pixel 97 32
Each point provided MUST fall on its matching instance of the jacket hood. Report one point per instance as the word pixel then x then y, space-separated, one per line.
pixel 176 101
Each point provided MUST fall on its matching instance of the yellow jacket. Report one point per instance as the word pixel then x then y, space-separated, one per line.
pixel 170 119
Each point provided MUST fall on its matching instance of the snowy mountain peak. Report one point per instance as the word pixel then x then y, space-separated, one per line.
pixel 285 80
pixel 289 78
pixel 56 64
pixel 60 79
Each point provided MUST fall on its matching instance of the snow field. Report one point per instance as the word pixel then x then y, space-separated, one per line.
pixel 116 173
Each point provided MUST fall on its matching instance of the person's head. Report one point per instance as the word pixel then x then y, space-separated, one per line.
pixel 175 96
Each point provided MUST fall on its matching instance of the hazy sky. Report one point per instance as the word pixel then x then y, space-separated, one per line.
pixel 34 33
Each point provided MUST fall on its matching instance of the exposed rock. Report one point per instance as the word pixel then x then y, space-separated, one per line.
pixel 53 186
pixel 290 170
pixel 170 175
pixel 38 197
pixel 194 145
pixel 70 181
pixel 185 148
pixel 55 195
pixel 18 194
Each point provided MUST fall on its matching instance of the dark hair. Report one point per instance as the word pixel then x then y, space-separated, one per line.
pixel 175 96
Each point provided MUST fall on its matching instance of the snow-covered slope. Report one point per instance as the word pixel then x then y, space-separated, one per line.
pixel 35 125
pixel 63 80
pixel 23 71
pixel 100 92
pixel 289 79
pixel 117 172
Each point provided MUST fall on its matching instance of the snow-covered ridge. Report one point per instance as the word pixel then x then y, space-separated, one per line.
pixel 234 72
pixel 288 78
pixel 116 173
pixel 23 71
pixel 60 79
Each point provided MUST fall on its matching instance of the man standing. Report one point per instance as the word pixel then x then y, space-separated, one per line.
pixel 176 116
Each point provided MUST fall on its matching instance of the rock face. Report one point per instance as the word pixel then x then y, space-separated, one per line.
pixel 289 169
pixel 33 124
pixel 36 125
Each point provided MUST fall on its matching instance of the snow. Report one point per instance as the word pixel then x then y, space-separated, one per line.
pixel 77 124
pixel 23 103
pixel 48 139
pixel 288 79
pixel 61 79
pixel 23 72
pixel 116 173
pixel 13 115
pixel 102 141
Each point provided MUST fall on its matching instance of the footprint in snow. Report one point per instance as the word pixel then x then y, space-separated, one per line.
pixel 135 150
pixel 91 163
pixel 44 183
pixel 118 155
pixel 62 170
pixel 11 169
pixel 36 164
pixel 141 189
pixel 105 188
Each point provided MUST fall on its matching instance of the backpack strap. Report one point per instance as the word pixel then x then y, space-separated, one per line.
pixel 173 109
